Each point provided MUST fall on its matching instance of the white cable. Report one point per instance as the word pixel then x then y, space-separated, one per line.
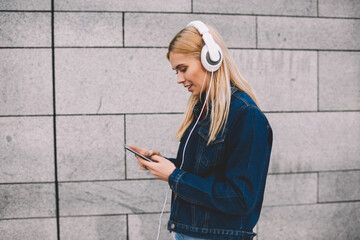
pixel 162 211
pixel 183 155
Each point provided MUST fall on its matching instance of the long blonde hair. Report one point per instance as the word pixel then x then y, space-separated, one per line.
pixel 189 42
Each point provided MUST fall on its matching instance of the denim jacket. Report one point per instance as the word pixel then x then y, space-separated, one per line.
pixel 219 191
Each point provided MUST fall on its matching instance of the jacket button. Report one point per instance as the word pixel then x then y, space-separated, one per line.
pixel 172 226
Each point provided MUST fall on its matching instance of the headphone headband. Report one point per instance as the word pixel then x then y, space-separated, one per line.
pixel 200 26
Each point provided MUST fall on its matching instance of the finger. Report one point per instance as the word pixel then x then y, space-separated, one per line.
pixel 150 153
pixel 157 158
pixel 142 166
pixel 144 163
pixel 138 149
pixel 142 159
pixel 149 165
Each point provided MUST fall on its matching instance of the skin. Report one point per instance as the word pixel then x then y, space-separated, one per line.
pixel 161 168
pixel 191 74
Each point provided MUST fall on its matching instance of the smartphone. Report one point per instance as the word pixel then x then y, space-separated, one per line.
pixel 138 154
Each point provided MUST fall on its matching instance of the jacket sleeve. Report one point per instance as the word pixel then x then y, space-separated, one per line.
pixel 171 159
pixel 248 153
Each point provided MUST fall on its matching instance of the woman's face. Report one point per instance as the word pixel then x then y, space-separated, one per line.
pixel 190 72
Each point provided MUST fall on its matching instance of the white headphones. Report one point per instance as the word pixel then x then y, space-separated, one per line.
pixel 211 54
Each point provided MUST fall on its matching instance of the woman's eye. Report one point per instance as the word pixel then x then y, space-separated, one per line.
pixel 181 70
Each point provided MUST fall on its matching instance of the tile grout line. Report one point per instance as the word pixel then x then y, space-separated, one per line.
pixel 154 179
pixel 125 160
pixel 123 29
pixel 171 113
pixel 188 13
pixel 54 122
pixel 127 227
pixel 317 187
pixel 318 80
pixel 256 32
pixel 165 47
pixel 317 8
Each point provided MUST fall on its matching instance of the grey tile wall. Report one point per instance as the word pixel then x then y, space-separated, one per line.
pixel 309 142
pixel 314 221
pixel 282 80
pixel 27 149
pixel 79 81
pixel 291 189
pixel 111 81
pixel 123 5
pixel 145 226
pixel 157 30
pixel 19 229
pixel 339 186
pixel 308 33
pixel 344 8
pixel 339 74
pixel 26 82
pixel 90 148
pixel 25 29
pixel 27 201
pixel 39 5
pixel 283 7
pixel 92 228
pixel 111 197
pixel 88 29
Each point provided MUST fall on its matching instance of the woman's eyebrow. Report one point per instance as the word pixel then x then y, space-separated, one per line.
pixel 178 66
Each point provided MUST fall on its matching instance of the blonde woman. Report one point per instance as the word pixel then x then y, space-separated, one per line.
pixel 218 177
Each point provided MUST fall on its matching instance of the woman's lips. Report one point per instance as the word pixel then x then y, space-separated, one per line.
pixel 189 87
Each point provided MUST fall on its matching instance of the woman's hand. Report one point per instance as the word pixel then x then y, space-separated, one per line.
pixel 161 168
pixel 145 152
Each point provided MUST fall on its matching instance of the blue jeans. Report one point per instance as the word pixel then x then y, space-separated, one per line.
pixel 179 236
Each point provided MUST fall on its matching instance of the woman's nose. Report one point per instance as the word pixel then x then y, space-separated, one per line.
pixel 180 78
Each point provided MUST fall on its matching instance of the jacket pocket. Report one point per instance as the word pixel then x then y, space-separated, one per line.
pixel 210 154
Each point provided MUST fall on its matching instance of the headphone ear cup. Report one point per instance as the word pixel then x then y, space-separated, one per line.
pixel 208 64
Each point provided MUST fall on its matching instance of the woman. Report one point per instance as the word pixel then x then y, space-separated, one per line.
pixel 218 181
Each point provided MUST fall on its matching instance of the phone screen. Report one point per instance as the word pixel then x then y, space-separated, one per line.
pixel 138 154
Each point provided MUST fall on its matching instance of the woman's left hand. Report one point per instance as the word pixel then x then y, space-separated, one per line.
pixel 161 168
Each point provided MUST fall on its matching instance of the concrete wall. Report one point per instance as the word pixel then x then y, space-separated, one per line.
pixel 78 79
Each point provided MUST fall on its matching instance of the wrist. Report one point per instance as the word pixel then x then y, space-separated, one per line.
pixel 174 178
